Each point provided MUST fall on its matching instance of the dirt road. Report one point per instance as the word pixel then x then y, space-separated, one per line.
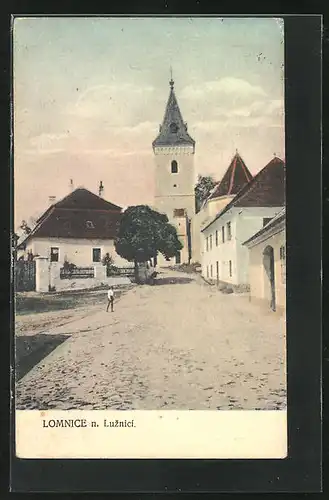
pixel 180 344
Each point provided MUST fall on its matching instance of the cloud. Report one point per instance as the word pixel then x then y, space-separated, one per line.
pixel 228 85
pixel 114 152
pixel 98 100
pixel 46 143
pixel 48 151
pixel 273 107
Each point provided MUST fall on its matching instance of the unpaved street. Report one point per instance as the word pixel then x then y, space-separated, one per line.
pixel 180 344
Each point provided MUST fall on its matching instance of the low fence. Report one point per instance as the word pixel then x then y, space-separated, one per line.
pixel 120 271
pixel 77 273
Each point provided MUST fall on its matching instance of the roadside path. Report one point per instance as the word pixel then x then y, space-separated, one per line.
pixel 177 345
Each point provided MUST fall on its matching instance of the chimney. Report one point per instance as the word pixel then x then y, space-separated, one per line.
pixel 52 200
pixel 100 188
pixel 71 185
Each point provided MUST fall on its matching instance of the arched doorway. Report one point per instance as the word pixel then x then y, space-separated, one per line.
pixel 269 281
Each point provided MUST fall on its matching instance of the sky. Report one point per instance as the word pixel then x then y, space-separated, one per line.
pixel 90 93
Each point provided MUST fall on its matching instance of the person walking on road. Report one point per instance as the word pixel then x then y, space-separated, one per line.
pixel 110 296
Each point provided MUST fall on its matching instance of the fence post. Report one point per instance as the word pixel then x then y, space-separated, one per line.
pixel 54 274
pixel 41 274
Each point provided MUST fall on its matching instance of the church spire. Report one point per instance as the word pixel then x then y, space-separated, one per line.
pixel 173 130
pixel 171 82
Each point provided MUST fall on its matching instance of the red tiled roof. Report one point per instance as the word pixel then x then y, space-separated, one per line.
pixel 235 178
pixel 266 189
pixel 81 214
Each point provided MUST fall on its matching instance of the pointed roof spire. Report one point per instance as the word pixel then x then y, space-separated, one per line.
pixel 173 130
pixel 171 82
pixel 235 178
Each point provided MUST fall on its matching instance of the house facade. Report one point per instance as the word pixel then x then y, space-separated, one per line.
pixel 79 229
pixel 174 151
pixel 267 264
pixel 224 258
pixel 235 178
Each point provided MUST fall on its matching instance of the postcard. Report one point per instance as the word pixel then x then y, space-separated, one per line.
pixel 149 247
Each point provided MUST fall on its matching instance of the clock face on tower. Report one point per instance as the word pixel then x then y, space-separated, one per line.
pixel 173 128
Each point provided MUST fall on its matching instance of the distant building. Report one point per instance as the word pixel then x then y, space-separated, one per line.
pixel 224 257
pixel 235 178
pixel 267 264
pixel 174 175
pixel 79 229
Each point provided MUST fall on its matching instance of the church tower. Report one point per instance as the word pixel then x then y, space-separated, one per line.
pixel 174 173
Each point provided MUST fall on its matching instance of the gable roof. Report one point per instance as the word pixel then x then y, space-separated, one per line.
pixel 266 189
pixel 280 217
pixel 235 178
pixel 81 214
pixel 169 135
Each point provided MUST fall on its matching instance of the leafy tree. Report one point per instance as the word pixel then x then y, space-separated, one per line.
pixel 107 260
pixel 25 228
pixel 202 190
pixel 143 233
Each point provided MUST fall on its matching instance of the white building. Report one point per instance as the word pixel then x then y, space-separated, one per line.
pixel 79 229
pixel 267 264
pixel 224 258
pixel 235 178
pixel 174 175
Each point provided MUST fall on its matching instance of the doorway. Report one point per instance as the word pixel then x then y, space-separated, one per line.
pixel 178 258
pixel 268 263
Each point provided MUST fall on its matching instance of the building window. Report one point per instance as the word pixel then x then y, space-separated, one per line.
pixel 179 212
pixel 283 264
pixel 210 241
pixel 230 268
pixel 216 238
pixel 229 231
pixel 211 270
pixel 174 167
pixel 207 271
pixel 89 224
pixel 54 254
pixel 96 254
pixel 223 234
pixel 207 244
pixel 217 269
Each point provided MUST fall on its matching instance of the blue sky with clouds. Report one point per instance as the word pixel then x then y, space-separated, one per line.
pixel 89 94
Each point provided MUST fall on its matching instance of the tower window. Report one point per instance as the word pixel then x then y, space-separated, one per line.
pixel 179 212
pixel 173 128
pixel 174 167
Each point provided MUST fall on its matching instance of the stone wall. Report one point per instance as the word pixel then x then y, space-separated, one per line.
pixel 48 278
